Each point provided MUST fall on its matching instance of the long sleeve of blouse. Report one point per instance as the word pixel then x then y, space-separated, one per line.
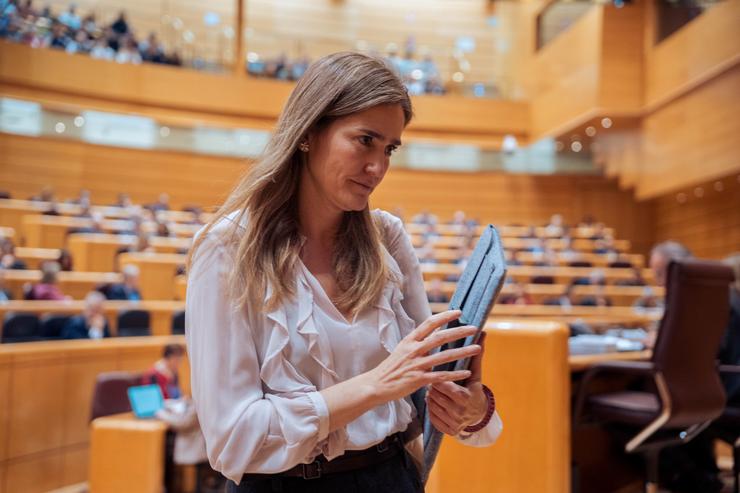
pixel 246 429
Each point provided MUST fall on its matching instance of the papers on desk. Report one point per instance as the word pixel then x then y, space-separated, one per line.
pixel 598 344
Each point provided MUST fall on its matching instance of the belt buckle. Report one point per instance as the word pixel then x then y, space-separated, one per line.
pixel 310 472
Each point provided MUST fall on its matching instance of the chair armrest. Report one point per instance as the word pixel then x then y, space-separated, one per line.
pixel 632 368
pixel 729 369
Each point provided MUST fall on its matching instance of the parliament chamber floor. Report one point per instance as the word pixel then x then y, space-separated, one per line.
pixel 599 138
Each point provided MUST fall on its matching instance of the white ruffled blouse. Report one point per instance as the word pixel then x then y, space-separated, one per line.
pixel 256 377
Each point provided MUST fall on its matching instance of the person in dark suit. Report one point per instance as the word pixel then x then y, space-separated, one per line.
pixel 129 288
pixel 92 324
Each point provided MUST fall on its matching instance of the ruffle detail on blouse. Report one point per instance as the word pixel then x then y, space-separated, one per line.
pixel 390 310
pixel 318 347
pixel 276 371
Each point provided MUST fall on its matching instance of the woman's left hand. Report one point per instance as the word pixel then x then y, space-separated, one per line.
pixel 452 407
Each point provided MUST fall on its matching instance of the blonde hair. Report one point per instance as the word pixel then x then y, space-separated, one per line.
pixel 334 86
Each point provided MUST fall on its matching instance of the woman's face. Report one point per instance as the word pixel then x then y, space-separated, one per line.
pixel 348 158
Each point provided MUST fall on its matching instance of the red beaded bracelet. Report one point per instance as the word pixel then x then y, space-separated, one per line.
pixel 489 412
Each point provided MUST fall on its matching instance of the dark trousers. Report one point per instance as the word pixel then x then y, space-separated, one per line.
pixel 396 475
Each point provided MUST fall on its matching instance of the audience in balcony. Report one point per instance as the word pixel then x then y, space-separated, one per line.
pixel 117 41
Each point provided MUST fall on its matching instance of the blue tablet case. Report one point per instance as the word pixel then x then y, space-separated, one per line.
pixel 476 291
pixel 145 400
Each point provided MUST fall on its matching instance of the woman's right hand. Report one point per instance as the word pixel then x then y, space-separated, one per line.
pixel 409 366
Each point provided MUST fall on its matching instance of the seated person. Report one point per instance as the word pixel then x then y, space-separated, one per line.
pixel 554 228
pixel 648 299
pixel 65 260
pixel 129 288
pixel 8 259
pixel 435 293
pixel 92 324
pixel 520 296
pixel 599 299
pixel 426 254
pixel 636 280
pixel 47 289
pixel 96 225
pixel 565 300
pixel 164 372
pixel 5 295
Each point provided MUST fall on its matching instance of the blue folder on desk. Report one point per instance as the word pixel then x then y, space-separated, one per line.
pixel 476 291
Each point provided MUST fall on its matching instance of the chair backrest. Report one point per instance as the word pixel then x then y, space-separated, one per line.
pixel 20 327
pixel 696 315
pixel 178 322
pixel 51 326
pixel 542 280
pixel 134 331
pixel 135 319
pixel 110 395
pixel 580 263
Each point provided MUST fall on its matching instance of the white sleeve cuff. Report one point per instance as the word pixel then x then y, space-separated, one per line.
pixel 322 411
pixel 485 437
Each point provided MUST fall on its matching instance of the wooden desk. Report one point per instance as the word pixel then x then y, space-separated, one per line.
pixel 34 257
pixel 524 273
pixel 591 314
pixel 74 284
pixel 581 244
pixel 126 454
pixel 508 231
pixel 620 295
pixel 447 255
pixel 160 312
pixel 582 362
pixel 533 400
pixel 51 231
pixel 157 272
pixel 46 390
pixel 97 252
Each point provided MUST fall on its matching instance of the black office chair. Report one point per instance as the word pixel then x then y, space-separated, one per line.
pixel 133 323
pixel 178 322
pixel 688 394
pixel 52 325
pixel 727 428
pixel 20 327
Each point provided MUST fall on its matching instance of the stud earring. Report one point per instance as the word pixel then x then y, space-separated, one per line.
pixel 303 146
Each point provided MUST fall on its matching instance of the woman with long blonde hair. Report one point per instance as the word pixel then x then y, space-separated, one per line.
pixel 307 323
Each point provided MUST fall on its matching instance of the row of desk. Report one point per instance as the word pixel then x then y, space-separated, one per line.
pixel 161 312
pixel 97 252
pixel 158 272
pixel 527 365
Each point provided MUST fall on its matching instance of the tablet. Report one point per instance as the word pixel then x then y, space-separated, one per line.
pixel 476 291
pixel 145 400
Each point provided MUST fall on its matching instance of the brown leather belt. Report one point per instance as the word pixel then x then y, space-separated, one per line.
pixel 349 461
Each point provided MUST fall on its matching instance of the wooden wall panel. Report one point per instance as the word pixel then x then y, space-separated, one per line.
pixel 705 219
pixel 37 414
pixel 621 58
pixel 37 474
pixel 692 139
pixel 691 54
pixel 4 419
